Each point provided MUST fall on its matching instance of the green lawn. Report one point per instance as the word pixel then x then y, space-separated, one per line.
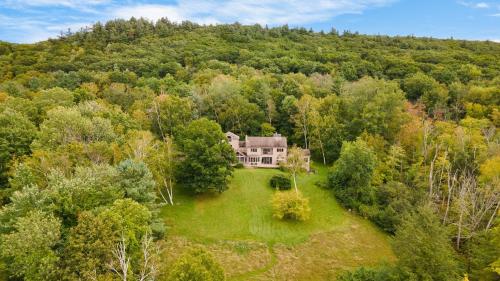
pixel 238 227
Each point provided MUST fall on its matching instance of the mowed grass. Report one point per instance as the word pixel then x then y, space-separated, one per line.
pixel 244 211
pixel 239 228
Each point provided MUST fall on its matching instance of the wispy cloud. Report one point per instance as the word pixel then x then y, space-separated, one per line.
pixel 482 5
pixel 44 18
pixel 154 12
pixel 250 11
pixel 475 5
pixel 34 20
pixel 24 30
pixel 52 3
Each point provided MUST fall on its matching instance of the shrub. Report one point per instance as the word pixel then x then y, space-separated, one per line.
pixel 281 182
pixel 197 265
pixel 380 273
pixel 290 205
pixel 238 165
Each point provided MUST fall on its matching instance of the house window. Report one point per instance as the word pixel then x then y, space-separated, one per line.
pixel 267 151
pixel 253 149
pixel 254 159
pixel 280 150
pixel 242 159
pixel 267 160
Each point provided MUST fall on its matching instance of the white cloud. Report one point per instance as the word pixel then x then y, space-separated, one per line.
pixel 47 3
pixel 155 12
pixel 41 19
pixel 482 5
pixel 250 11
pixel 495 15
pixel 476 5
pixel 81 6
pixel 24 30
pixel 152 12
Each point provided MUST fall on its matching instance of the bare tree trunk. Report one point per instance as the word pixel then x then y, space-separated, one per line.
pixel 295 183
pixel 426 132
pixel 163 196
pixel 270 110
pixel 483 202
pixel 158 119
pixel 490 221
pixel 450 191
pixel 120 253
pixel 170 192
pixel 149 268
pixel 322 151
pixel 305 135
pixel 441 177
pixel 462 204
pixel 169 187
pixel 459 228
pixel 431 172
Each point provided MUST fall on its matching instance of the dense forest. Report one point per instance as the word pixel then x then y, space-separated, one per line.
pixel 101 127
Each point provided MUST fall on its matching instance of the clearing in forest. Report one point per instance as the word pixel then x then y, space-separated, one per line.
pixel 238 227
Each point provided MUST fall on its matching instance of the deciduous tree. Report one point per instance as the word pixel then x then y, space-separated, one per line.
pixel 207 158
pixel 30 248
pixel 351 174
pixel 295 164
pixel 423 249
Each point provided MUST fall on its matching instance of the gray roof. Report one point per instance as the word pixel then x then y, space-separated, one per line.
pixel 275 141
pixel 232 135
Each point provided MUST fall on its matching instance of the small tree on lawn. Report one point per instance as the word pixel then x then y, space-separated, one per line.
pixel 197 265
pixel 290 205
pixel 295 164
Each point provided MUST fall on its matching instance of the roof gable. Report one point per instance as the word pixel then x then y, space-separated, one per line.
pixel 232 135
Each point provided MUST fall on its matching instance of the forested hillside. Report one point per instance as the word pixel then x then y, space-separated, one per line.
pixel 101 127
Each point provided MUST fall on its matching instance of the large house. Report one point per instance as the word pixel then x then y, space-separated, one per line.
pixel 264 152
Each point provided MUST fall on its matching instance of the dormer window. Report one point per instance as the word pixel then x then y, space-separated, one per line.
pixel 253 149
pixel 280 150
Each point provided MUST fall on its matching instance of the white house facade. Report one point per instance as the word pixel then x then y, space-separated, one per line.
pixel 263 152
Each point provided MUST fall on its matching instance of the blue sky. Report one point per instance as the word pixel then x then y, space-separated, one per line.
pixel 27 21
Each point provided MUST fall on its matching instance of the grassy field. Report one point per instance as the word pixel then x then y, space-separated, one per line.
pixel 238 227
